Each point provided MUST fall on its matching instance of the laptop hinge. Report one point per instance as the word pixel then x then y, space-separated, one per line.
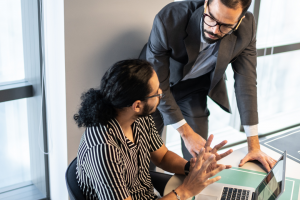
pixel 253 196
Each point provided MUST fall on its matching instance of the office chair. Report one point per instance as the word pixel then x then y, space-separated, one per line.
pixel 74 190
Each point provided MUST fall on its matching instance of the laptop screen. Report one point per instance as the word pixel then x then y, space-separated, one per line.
pixel 273 184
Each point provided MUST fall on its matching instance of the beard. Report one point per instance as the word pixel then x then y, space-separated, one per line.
pixel 207 39
pixel 148 110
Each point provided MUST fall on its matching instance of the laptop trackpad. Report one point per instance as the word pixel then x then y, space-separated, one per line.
pixel 205 197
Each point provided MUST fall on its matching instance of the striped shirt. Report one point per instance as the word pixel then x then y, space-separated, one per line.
pixel 110 166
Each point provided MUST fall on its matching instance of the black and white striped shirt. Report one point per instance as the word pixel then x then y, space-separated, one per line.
pixel 110 166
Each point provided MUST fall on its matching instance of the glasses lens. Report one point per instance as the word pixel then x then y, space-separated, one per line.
pixel 209 21
pixel 225 29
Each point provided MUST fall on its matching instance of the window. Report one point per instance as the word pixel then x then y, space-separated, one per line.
pixel 24 172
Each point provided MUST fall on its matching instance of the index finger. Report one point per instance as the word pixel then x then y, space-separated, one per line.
pixel 209 140
pixel 198 163
pixel 218 146
pixel 265 164
pixel 207 163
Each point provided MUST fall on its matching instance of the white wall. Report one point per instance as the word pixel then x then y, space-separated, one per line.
pixel 83 39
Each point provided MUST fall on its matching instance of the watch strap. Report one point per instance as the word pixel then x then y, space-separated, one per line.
pixel 187 168
pixel 178 197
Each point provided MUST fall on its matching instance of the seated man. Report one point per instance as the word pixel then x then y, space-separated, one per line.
pixel 120 139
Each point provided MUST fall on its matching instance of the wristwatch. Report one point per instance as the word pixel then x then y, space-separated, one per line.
pixel 187 168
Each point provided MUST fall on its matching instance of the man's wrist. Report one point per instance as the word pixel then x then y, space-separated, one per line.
pixel 253 143
pixel 184 129
pixel 182 192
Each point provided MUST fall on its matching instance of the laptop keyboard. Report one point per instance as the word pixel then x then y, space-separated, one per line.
pixel 234 194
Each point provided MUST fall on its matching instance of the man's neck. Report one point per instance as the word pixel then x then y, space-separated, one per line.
pixel 126 120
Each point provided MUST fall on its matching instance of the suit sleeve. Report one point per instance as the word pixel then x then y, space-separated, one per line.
pixel 158 54
pixel 244 68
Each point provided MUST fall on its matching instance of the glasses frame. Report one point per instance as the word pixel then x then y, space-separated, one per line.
pixel 219 23
pixel 161 95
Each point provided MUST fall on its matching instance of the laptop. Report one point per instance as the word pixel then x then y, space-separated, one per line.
pixel 270 188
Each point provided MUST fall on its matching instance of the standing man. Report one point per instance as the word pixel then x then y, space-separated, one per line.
pixel 190 47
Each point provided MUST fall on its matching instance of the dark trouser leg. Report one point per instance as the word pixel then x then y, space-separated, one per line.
pixel 191 97
pixel 196 114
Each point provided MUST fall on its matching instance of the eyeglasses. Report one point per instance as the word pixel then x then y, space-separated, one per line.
pixel 223 28
pixel 157 95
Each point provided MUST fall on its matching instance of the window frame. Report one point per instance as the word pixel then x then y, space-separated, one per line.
pixel 32 88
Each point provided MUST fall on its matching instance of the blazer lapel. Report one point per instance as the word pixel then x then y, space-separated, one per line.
pixel 192 41
pixel 224 54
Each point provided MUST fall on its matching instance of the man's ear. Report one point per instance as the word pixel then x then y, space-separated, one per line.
pixel 205 6
pixel 137 106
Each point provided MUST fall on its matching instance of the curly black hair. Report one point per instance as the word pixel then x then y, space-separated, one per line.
pixel 122 84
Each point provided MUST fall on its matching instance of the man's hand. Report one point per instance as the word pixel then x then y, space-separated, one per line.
pixel 263 158
pixel 254 153
pixel 199 177
pixel 192 140
pixel 209 151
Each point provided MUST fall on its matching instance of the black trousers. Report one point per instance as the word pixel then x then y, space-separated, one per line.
pixel 191 97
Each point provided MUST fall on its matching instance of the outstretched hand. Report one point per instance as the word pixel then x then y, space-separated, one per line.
pixel 209 151
pixel 199 176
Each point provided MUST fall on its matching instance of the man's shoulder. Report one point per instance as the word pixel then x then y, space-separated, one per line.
pixel 247 27
pixel 97 135
pixel 144 121
pixel 179 10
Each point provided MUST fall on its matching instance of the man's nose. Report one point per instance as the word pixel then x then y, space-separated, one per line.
pixel 216 29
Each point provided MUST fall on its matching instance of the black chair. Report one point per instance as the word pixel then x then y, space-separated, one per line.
pixel 74 190
pixel 159 181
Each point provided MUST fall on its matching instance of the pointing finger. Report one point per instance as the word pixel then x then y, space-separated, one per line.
pixel 210 181
pixel 215 171
pixel 218 146
pixel 224 154
pixel 207 163
pixel 198 163
pixel 209 140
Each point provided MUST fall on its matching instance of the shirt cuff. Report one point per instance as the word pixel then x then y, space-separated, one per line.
pixel 251 130
pixel 178 124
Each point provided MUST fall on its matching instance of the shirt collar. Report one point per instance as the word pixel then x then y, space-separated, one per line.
pixel 116 130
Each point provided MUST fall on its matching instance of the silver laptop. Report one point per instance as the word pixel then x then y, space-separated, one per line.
pixel 271 187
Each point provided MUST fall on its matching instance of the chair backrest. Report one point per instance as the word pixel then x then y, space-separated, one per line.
pixel 74 190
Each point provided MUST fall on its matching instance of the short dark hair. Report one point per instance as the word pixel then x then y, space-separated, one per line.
pixel 122 84
pixel 235 3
